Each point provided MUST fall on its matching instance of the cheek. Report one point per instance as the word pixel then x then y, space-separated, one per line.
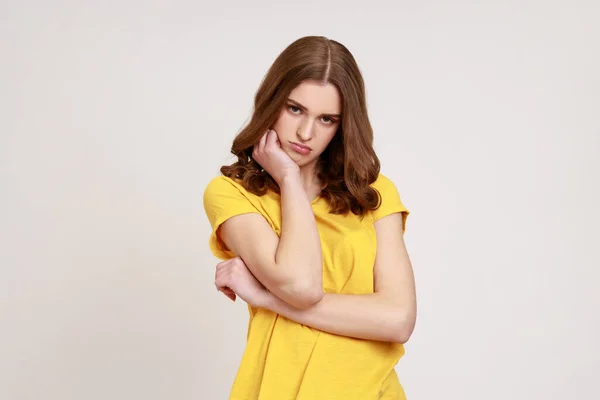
pixel 284 123
pixel 328 136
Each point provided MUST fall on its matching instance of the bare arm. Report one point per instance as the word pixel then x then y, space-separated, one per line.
pixel 388 314
pixel 289 266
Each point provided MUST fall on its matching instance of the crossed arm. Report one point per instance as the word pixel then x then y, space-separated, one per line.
pixel 387 314
pixel 291 265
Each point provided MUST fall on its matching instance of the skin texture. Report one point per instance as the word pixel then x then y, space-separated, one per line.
pixel 284 274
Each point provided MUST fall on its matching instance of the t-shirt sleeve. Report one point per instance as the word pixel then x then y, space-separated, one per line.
pixel 224 199
pixel 390 200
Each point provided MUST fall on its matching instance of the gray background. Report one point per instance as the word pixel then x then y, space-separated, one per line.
pixel 114 115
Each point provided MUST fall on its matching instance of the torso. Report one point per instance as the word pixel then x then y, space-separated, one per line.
pixel 284 359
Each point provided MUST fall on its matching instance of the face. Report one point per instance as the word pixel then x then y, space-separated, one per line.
pixel 308 121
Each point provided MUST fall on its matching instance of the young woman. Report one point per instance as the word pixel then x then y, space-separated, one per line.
pixel 312 235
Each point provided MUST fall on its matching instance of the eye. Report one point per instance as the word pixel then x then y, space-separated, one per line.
pixel 328 120
pixel 293 109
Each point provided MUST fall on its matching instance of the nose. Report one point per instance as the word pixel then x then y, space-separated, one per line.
pixel 305 130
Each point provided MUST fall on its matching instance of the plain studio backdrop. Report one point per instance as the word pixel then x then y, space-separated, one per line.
pixel 115 115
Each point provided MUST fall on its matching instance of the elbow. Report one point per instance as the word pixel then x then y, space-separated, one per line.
pixel 401 336
pixel 311 298
pixel 404 327
pixel 303 296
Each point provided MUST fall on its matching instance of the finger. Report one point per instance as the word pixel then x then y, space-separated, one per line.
pixel 259 147
pixel 272 139
pixel 221 282
pixel 219 269
pixel 263 141
pixel 222 265
pixel 232 297
pixel 229 293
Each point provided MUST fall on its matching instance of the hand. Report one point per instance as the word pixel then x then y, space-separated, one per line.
pixel 269 154
pixel 232 277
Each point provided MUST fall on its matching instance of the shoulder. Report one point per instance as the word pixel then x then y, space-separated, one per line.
pixel 222 182
pixel 222 190
pixel 222 186
pixel 384 185
pixel 390 201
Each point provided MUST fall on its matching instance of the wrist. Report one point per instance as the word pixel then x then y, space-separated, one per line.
pixel 268 301
pixel 290 178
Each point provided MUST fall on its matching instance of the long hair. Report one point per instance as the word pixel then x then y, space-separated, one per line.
pixel 349 164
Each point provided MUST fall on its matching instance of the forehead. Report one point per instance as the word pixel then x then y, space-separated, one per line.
pixel 318 98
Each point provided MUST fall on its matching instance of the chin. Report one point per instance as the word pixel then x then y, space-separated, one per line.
pixel 298 158
pixel 304 162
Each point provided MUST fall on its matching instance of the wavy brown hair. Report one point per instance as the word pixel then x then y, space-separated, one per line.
pixel 349 165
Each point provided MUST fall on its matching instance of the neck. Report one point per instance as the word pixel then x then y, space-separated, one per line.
pixel 310 182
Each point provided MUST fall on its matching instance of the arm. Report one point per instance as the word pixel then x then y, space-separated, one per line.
pixel 388 314
pixel 289 266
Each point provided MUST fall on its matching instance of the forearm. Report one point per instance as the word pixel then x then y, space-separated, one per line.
pixel 363 316
pixel 299 249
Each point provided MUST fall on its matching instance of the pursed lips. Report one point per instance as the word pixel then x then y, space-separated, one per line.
pixel 301 146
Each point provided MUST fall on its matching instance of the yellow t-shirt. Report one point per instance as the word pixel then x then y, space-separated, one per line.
pixel 285 360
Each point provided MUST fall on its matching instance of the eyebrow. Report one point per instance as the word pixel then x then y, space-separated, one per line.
pixel 306 109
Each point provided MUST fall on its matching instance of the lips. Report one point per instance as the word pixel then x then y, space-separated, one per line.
pixel 300 149
pixel 301 146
